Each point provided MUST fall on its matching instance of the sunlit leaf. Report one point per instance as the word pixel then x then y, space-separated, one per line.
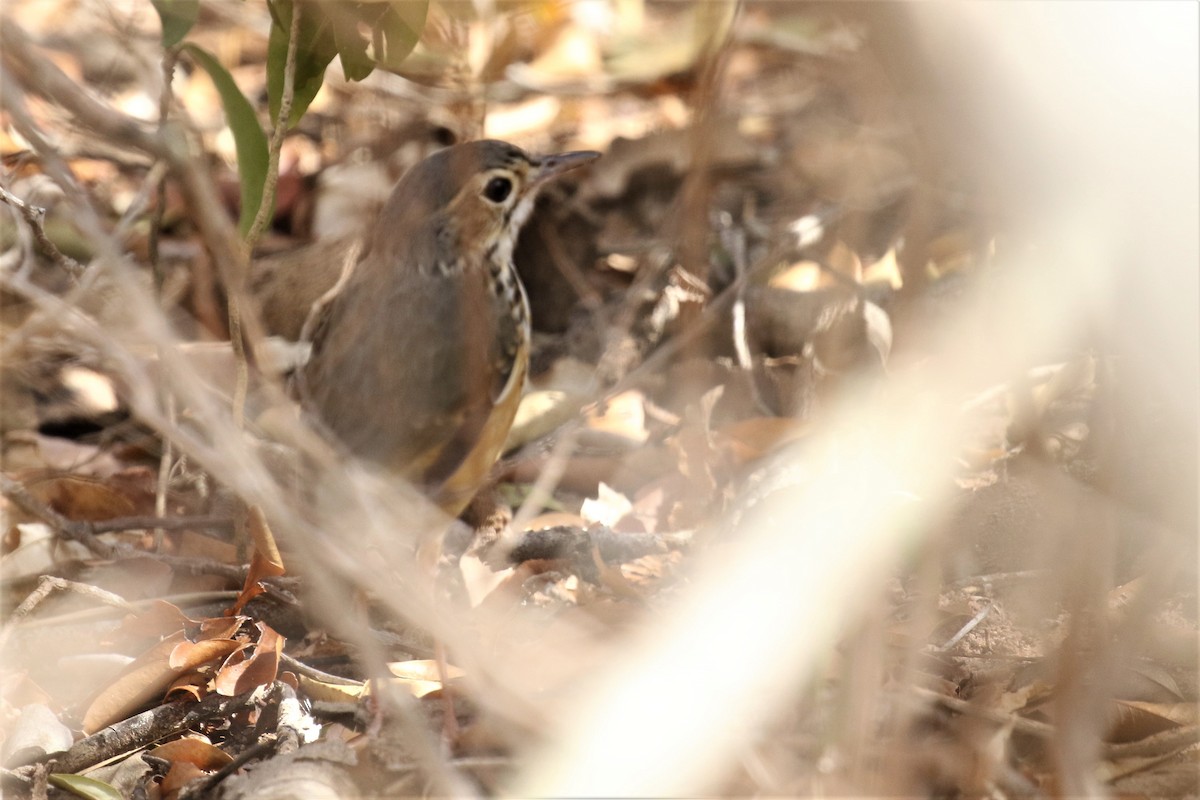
pixel 84 787
pixel 398 29
pixel 351 44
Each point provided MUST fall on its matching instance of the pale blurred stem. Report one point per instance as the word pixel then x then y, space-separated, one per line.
pixel 164 464
pixel 281 127
pixel 242 382
pixel 715 25
pixel 170 59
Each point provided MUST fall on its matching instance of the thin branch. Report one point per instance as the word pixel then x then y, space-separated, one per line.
pixel 85 533
pixel 164 523
pixel 48 584
pixel 146 728
pixel 33 216
pixel 277 135
pixel 170 59
pixel 263 215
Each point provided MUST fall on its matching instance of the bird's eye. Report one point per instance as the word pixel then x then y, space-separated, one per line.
pixel 497 189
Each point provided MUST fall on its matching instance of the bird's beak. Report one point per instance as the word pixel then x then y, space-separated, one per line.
pixel 553 166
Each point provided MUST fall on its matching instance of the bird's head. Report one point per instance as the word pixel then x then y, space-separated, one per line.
pixel 476 196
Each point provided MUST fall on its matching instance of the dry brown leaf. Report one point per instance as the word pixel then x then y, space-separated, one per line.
pixel 802 276
pixel 190 655
pixel 194 544
pixel 218 628
pixel 193 751
pixel 257 670
pixel 885 270
pixel 81 498
pixel 555 519
pixel 180 774
pixel 155 620
pixel 193 685
pixel 953 251
pixel 146 678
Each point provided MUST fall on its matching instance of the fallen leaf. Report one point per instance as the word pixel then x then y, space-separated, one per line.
pixel 146 678
pixel 89 788
pixel 258 670
pixel 193 751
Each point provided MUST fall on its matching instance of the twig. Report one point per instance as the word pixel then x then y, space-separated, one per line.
pixel 48 584
pixel 165 523
pixel 164 470
pixel 85 533
pixel 169 60
pixel 1023 724
pixel 33 216
pixel 242 381
pixel 300 668
pixel 965 629
pixel 146 728
pixel 277 135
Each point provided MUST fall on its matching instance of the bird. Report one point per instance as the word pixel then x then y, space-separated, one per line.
pixel 419 356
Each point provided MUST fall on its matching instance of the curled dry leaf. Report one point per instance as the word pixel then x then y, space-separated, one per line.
pixel 179 775
pixel 193 751
pixel 159 668
pixel 192 684
pixel 259 669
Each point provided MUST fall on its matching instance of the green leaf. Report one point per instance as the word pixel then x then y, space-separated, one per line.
pixel 351 44
pixel 178 17
pixel 315 48
pixel 395 27
pixel 89 788
pixel 401 25
pixel 248 136
pixel 331 28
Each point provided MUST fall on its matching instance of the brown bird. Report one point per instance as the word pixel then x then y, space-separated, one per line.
pixel 419 360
